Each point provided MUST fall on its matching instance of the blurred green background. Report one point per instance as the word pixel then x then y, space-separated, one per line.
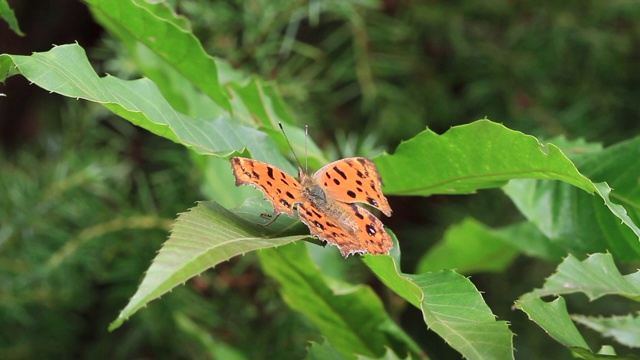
pixel 87 199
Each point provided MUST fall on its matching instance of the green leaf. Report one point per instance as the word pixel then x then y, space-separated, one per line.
pixel 66 70
pixel 167 35
pixel 623 329
pixel 201 238
pixel 7 14
pixel 596 276
pixel 323 351
pixel 451 306
pixel 466 158
pixel 352 318
pixel 469 247
pixel 554 319
pixel 583 223
pixel 606 352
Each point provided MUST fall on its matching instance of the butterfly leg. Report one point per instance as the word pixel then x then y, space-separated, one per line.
pixel 273 218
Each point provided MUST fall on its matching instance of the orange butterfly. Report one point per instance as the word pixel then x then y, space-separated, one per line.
pixel 326 200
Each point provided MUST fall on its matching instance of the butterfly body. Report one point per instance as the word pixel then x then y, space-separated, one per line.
pixel 327 200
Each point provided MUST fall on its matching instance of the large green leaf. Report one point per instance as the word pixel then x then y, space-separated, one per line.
pixel 466 158
pixel 596 276
pixel 179 77
pixel 66 70
pixel 167 35
pixel 351 318
pixel 554 319
pixel 451 306
pixel 201 238
pixel 583 223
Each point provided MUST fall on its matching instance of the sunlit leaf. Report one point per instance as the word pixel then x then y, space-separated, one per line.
pixel 469 157
pixel 451 306
pixel 201 238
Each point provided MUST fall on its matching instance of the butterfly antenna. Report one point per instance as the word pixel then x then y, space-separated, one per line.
pixel 289 143
pixel 306 149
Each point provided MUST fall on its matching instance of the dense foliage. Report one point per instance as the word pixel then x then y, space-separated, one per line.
pixel 89 228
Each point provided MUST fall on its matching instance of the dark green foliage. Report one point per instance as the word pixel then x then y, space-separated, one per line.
pixel 86 206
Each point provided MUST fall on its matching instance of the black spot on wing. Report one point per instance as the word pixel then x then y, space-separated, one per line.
pixel 255 174
pixel 371 229
pixel 356 211
pixel 336 181
pixel 336 169
pixel 372 201
pixel 285 203
pixel 270 172
pixel 359 182
pixel 290 195
pixel 318 224
pixel 352 195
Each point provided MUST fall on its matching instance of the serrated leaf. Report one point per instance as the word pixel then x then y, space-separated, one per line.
pixel 469 247
pixel 623 329
pixel 554 319
pixel 476 156
pixel 66 71
pixel 596 276
pixel 352 318
pixel 167 35
pixel 200 239
pixel 583 223
pixel 451 306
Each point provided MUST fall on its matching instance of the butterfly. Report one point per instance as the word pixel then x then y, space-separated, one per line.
pixel 326 201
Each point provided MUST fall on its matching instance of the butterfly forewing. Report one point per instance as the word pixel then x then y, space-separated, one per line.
pixel 280 188
pixel 353 180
